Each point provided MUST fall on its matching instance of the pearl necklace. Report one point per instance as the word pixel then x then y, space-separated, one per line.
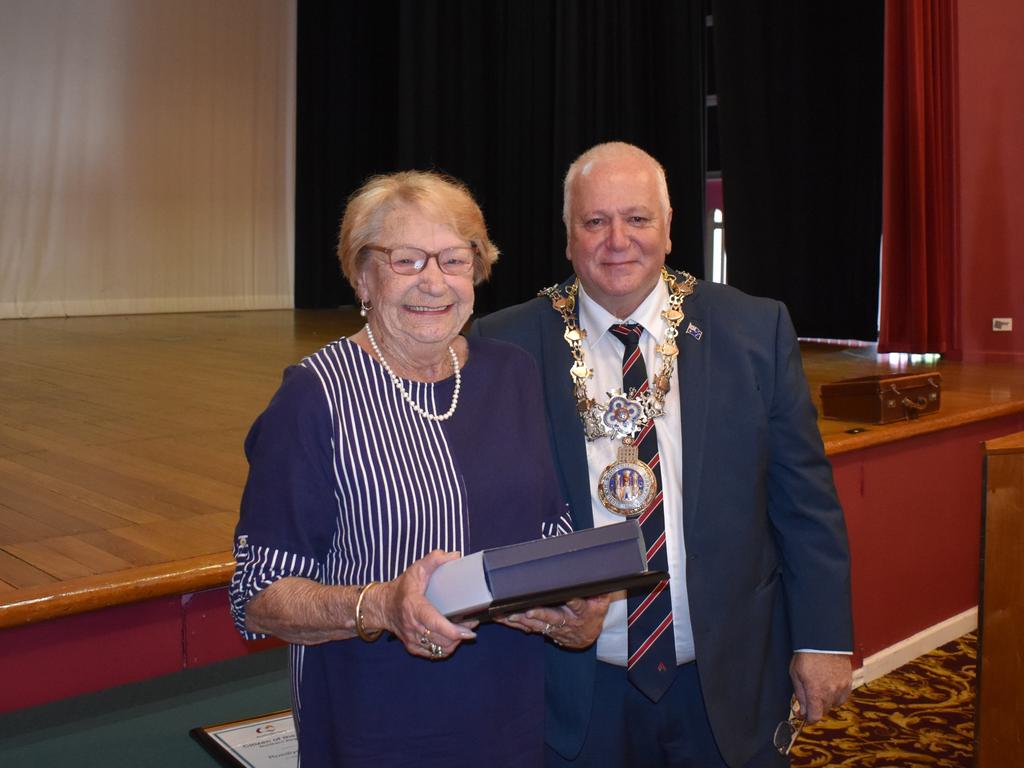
pixel 405 394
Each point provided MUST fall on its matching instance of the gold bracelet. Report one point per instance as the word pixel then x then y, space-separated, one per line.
pixel 360 629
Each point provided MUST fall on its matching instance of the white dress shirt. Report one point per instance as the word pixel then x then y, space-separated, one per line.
pixel 604 356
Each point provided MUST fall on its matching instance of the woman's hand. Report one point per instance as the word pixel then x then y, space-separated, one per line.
pixel 400 607
pixel 573 625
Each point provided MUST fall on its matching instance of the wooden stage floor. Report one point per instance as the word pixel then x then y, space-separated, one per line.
pixel 121 460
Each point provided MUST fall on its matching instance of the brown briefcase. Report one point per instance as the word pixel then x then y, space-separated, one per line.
pixel 881 399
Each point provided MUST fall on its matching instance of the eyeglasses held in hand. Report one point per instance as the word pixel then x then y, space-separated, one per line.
pixel 407 260
pixel 787 731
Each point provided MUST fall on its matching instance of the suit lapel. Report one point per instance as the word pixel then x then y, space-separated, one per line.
pixel 694 383
pixel 568 431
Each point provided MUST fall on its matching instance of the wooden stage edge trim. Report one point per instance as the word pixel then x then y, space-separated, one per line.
pixel 903 430
pixel 214 571
pixel 120 588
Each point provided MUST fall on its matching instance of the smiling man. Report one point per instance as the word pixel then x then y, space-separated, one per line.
pixel 694 396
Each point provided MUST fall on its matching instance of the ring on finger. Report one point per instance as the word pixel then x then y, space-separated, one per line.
pixel 547 630
pixel 436 651
pixel 425 639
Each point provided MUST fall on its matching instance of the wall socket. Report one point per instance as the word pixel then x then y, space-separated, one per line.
pixel 1002 323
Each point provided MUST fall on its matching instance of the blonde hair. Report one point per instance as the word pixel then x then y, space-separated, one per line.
pixel 443 198
pixel 609 150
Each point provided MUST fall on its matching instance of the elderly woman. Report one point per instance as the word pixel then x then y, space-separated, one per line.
pixel 381 457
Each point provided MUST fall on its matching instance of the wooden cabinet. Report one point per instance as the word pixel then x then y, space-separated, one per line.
pixel 1000 703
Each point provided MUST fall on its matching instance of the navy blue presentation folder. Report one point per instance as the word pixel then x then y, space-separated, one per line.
pixel 544 572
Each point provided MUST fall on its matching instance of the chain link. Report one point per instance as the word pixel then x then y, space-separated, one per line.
pixel 652 401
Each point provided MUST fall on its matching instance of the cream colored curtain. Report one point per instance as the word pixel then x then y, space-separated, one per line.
pixel 146 155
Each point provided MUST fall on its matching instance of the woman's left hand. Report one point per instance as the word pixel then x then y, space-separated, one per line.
pixel 403 609
pixel 573 625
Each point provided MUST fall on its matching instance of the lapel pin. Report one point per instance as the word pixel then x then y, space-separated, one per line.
pixel 693 330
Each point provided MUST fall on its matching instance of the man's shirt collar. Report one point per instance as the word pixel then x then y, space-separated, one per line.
pixel 597 320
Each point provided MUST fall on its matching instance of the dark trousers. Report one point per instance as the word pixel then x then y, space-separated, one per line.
pixel 628 730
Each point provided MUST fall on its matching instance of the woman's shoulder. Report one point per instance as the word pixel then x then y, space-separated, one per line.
pixel 319 374
pixel 340 347
pixel 498 366
pixel 335 360
pixel 494 352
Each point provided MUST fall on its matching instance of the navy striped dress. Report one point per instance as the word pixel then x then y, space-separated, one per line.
pixel 347 484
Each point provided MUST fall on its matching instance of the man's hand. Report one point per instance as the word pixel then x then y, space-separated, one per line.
pixel 821 681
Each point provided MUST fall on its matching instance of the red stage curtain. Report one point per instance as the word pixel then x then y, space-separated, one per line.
pixel 920 216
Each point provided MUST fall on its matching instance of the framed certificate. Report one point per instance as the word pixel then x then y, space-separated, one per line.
pixel 268 741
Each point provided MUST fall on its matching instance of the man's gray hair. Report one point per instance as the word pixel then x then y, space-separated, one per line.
pixel 583 164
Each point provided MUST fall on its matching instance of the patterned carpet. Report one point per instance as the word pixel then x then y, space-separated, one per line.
pixel 921 714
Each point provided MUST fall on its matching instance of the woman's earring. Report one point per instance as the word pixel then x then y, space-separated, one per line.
pixel 363 308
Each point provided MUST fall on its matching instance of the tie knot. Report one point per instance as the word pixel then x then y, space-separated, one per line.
pixel 629 333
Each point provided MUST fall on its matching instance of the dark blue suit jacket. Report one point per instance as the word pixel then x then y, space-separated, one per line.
pixel 767 558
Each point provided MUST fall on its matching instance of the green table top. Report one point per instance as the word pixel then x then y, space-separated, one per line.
pixel 145 724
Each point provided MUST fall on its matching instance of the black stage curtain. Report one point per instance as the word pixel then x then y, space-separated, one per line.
pixel 800 124
pixel 504 95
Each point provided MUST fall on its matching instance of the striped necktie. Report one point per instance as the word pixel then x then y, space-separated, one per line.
pixel 651 666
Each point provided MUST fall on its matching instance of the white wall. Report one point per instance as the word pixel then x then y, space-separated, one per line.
pixel 146 155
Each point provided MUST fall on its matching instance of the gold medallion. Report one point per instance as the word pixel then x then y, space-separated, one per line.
pixel 628 485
